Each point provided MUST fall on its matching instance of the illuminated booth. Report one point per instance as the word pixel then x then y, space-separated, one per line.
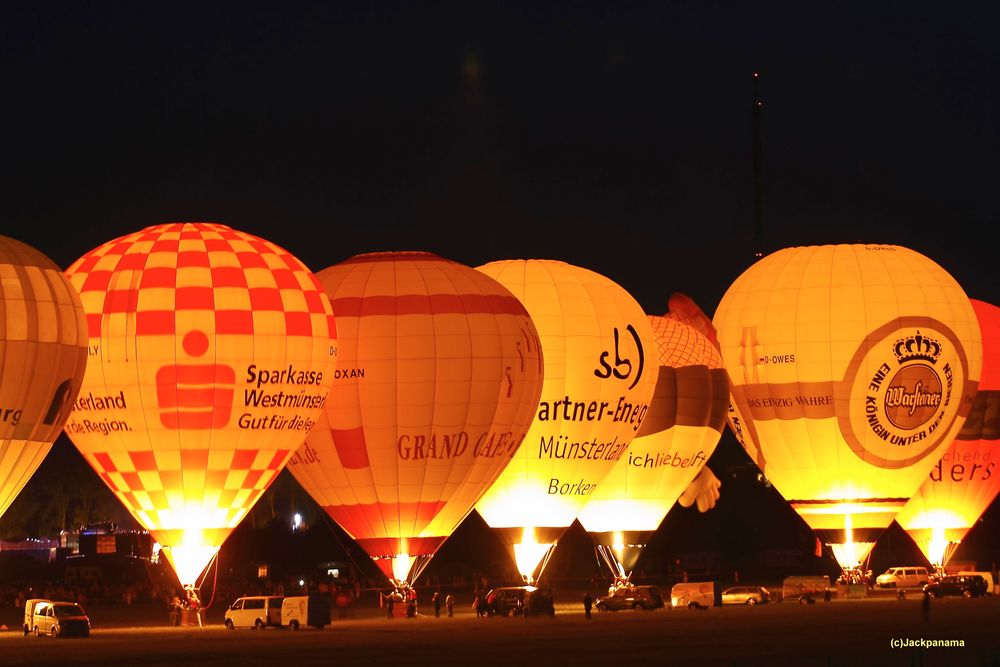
pixel 439 375
pixel 853 367
pixel 43 354
pixel 965 481
pixel 599 380
pixel 681 430
pixel 211 355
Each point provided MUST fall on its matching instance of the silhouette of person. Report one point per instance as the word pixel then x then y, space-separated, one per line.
pixel 436 601
pixel 587 603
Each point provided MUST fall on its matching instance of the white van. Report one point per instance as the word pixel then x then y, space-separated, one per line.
pixel 29 613
pixel 695 595
pixel 255 611
pixel 903 577
pixel 60 619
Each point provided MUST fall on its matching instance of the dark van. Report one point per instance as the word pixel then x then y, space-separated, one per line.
pixel 520 601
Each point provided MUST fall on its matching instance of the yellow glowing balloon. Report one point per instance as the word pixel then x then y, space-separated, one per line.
pixel 43 354
pixel 211 355
pixel 965 481
pixel 685 420
pixel 440 372
pixel 853 367
pixel 599 380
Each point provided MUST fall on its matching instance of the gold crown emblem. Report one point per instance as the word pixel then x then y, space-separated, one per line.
pixel 917 347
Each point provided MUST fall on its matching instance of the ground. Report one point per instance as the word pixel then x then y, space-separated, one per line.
pixel 839 633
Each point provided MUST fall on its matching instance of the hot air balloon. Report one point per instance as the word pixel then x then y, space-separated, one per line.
pixel 43 354
pixel 599 380
pixel 965 481
pixel 852 367
pixel 439 374
pixel 212 353
pixel 685 420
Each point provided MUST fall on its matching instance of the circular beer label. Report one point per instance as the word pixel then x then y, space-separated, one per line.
pixel 903 391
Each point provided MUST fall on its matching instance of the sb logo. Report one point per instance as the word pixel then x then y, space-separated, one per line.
pixel 622 368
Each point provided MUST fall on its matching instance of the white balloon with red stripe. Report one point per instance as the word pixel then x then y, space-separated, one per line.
pixel 440 372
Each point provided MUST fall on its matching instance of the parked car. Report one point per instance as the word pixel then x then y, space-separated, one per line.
pixel 60 619
pixel 632 597
pixel 966 585
pixel 520 601
pixel 750 595
pixel 987 577
pixel 903 577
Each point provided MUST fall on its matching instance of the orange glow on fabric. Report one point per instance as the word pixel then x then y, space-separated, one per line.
pixel 853 367
pixel 211 356
pixel 599 380
pixel 440 372
pixel 966 480
pixel 43 355
pixel 686 416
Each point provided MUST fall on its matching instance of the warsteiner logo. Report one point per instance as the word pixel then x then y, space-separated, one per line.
pixel 906 401
pixel 915 391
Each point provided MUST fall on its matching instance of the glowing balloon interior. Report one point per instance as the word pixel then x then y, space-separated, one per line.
pixel 685 420
pixel 965 481
pixel 43 354
pixel 598 383
pixel 211 355
pixel 853 367
pixel 440 372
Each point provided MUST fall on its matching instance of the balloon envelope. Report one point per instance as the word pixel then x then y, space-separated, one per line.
pixel 440 372
pixel 212 353
pixel 43 354
pixel 852 366
pixel 685 420
pixel 965 481
pixel 598 383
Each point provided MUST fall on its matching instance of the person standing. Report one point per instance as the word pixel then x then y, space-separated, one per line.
pixel 390 600
pixel 449 604
pixel 436 601
pixel 587 603
pixel 174 611
pixel 926 605
pixel 411 602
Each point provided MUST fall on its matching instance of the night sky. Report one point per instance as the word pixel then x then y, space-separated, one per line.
pixel 616 136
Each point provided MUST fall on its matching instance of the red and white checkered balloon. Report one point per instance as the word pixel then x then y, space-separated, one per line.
pixel 211 355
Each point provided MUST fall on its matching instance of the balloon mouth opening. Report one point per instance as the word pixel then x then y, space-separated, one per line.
pixel 531 556
pixel 190 558
pixel 401 564
pixel 850 554
pixel 938 533
pixel 939 548
pixel 620 550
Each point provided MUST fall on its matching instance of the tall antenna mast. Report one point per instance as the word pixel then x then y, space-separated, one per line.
pixel 758 209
